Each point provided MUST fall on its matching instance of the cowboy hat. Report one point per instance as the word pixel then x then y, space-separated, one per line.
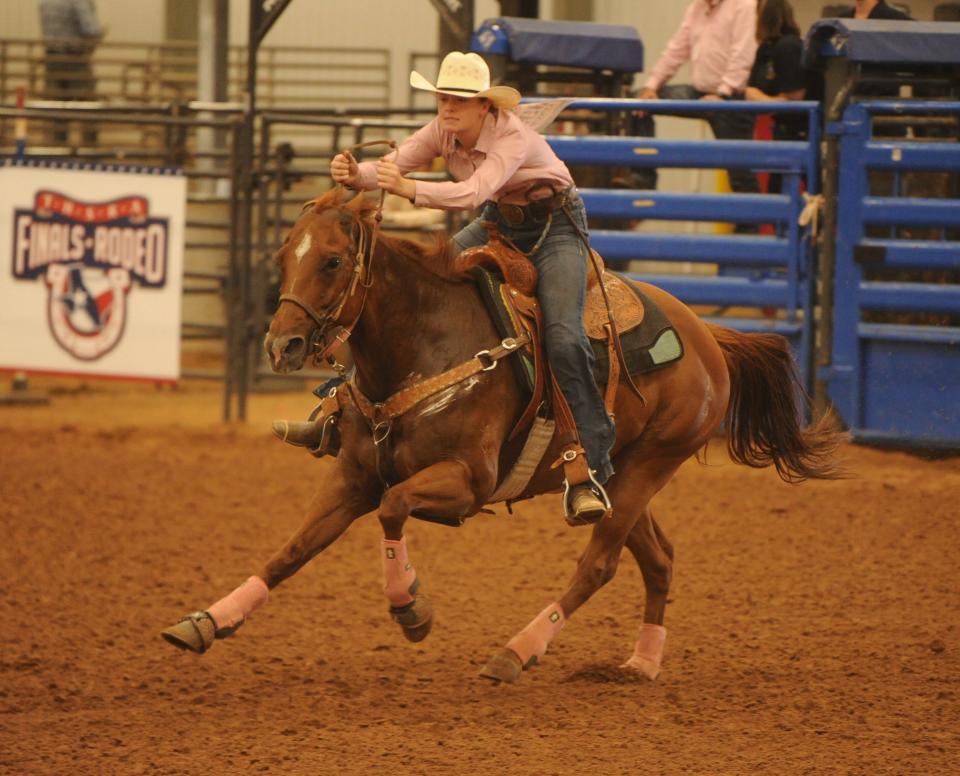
pixel 467 75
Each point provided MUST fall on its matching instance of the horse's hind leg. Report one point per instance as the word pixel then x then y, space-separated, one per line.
pixel 654 554
pixel 665 543
pixel 332 510
pixel 638 478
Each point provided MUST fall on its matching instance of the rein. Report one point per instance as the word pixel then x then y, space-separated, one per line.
pixel 611 321
pixel 362 277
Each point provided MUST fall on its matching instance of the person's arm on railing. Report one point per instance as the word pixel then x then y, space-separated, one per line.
pixel 787 60
pixel 676 54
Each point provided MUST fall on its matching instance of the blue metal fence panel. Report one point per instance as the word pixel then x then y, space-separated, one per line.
pixel 697 109
pixel 738 291
pixel 772 274
pixel 910 297
pixel 715 154
pixel 915 254
pixel 716 249
pixel 887 155
pixel 897 211
pixel 895 382
pixel 607 203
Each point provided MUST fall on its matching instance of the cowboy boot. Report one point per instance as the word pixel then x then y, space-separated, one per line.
pixel 300 433
pixel 586 507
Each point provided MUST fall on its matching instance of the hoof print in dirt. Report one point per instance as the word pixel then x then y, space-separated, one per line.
pixel 604 674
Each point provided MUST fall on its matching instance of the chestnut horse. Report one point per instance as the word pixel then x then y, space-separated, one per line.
pixel 410 316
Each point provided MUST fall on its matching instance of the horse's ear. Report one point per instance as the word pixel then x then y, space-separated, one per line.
pixel 330 198
pixel 357 204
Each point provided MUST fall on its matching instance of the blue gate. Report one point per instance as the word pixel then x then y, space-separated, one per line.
pixel 897 380
pixel 772 273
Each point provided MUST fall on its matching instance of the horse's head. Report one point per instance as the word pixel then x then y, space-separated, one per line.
pixel 322 272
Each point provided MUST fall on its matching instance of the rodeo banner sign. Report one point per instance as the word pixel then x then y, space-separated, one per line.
pixel 93 266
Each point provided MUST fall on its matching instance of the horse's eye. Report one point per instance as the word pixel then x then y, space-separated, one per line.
pixel 332 263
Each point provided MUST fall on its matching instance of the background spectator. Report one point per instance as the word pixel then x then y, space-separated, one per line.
pixel 878 9
pixel 718 38
pixel 778 73
pixel 71 31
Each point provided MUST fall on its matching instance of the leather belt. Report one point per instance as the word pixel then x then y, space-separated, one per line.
pixel 533 212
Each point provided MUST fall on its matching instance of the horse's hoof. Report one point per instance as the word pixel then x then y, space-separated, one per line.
pixel 505 666
pixel 416 618
pixel 195 632
pixel 642 666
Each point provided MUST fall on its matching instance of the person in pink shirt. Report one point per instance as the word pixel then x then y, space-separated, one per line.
pixel 717 38
pixel 505 167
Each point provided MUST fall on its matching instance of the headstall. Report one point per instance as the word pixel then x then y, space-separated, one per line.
pixel 317 345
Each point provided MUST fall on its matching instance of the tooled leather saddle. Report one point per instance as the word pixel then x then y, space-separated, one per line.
pixel 507 281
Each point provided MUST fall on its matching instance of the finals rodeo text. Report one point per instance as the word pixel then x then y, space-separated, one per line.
pixel 89 255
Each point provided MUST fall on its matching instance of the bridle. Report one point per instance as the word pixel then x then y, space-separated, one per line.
pixel 329 315
pixel 361 277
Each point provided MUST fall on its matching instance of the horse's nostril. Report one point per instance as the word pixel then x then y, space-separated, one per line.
pixel 294 346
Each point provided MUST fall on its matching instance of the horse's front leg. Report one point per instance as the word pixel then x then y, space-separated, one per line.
pixel 330 513
pixel 443 489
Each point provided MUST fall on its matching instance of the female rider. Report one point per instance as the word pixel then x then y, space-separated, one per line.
pixel 507 168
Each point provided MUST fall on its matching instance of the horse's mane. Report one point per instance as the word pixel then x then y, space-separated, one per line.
pixel 434 254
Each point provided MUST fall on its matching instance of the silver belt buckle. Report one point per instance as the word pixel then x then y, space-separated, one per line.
pixel 512 214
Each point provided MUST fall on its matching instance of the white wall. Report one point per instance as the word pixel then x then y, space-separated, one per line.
pixel 402 26
pixel 140 21
pixel 403 23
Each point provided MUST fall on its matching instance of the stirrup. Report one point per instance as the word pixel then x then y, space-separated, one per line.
pixel 574 518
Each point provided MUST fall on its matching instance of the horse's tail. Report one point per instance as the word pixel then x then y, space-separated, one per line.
pixel 767 408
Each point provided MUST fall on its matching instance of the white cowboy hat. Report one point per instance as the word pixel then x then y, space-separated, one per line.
pixel 467 75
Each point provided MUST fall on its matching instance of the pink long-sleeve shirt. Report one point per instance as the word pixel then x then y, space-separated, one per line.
pixel 718 37
pixel 508 158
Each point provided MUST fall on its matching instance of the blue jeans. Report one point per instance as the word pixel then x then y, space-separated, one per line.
pixel 561 262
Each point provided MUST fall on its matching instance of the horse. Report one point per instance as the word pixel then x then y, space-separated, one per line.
pixel 410 316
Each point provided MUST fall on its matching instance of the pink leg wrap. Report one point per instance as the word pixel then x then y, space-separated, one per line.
pixel 235 608
pixel 398 572
pixel 532 641
pixel 649 650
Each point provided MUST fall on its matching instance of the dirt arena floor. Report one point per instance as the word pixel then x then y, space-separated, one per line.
pixel 812 630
